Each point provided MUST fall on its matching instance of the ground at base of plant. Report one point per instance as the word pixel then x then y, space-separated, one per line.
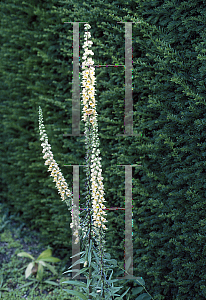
pixel 15 238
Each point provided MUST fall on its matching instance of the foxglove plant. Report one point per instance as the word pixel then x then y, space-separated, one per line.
pixel 92 232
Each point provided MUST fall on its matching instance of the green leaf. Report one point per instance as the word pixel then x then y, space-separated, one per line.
pixel 75 282
pixel 125 292
pixel 29 283
pixel 5 289
pixel 97 258
pixel 22 268
pixel 88 283
pixel 128 262
pixel 51 268
pixel 144 297
pixel 119 272
pixel 51 282
pixel 41 262
pixel 107 255
pixel 116 289
pixel 51 259
pixel 28 269
pixel 79 261
pixel 137 290
pixel 71 271
pixel 90 246
pixel 24 254
pixel 40 271
pixel 79 271
pixel 93 294
pixel 140 280
pixel 1 280
pixel 111 275
pixel 75 293
pixel 113 280
pixel 112 261
pixel 77 254
pixel 75 270
pixel 46 253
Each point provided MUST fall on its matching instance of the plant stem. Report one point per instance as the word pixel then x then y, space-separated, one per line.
pixel 90 217
pixel 102 270
pixel 90 269
pixel 89 143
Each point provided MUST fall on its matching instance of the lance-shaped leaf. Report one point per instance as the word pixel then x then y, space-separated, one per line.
pixel 29 269
pixel 75 293
pixel 50 259
pixel 40 270
pixel 24 254
pixel 45 254
pixel 51 268
pixel 42 263
pixel 75 282
pixel 51 282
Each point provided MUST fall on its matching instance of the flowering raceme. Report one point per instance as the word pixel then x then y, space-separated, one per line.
pixel 90 119
pixel 56 173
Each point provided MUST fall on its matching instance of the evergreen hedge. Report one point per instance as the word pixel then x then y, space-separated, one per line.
pixel 169 114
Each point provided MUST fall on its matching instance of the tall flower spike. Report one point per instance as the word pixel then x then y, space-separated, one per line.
pixel 61 184
pixel 90 118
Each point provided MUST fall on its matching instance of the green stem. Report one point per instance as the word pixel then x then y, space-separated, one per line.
pixel 90 269
pixel 90 200
pixel 102 270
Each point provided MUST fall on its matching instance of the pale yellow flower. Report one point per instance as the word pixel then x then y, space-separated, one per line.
pixel 85 264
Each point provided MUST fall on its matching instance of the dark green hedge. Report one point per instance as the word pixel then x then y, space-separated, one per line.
pixel 169 113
